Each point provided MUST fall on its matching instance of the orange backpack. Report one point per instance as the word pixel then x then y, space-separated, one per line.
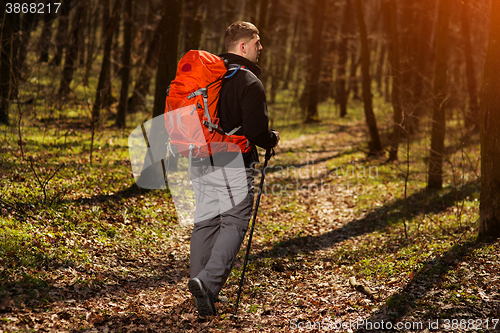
pixel 191 108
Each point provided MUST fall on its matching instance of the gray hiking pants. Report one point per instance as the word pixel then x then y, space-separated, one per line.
pixel 224 202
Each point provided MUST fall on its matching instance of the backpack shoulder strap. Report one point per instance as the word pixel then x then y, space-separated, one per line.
pixel 234 69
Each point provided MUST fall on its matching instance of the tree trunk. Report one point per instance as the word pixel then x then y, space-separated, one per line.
pixel 167 65
pixel 489 220
pixel 353 78
pixel 105 67
pixel 116 51
pixel 473 112
pixel 106 93
pixel 61 39
pixel 278 17
pixel 390 23
pixel 127 48
pixel 345 32
pixel 145 14
pixel 45 37
pixel 423 61
pixel 89 58
pixel 265 40
pixel 251 10
pixel 388 74
pixel 14 71
pixel 5 67
pixel 81 35
pixel 380 66
pixel 293 44
pixel 72 52
pixel 141 89
pixel 192 26
pixel 214 27
pixel 375 145
pixel 26 27
pixel 170 33
pixel 435 176
pixel 311 89
pixel 230 9
pixel 406 59
pixel 326 88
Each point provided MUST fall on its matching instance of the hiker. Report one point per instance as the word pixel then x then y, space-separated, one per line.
pixel 218 231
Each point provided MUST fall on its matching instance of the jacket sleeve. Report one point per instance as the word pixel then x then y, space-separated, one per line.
pixel 255 116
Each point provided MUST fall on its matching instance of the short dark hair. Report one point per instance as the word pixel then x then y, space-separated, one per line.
pixel 237 31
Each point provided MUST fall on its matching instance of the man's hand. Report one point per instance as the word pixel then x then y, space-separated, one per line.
pixel 277 136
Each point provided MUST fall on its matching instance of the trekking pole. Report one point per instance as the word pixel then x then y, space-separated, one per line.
pixel 269 154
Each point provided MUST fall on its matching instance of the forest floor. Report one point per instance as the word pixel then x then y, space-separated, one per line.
pixel 342 243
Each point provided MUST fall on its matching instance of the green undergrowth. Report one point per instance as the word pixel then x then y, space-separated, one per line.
pixel 58 210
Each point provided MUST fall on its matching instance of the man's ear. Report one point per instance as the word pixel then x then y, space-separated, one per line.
pixel 242 47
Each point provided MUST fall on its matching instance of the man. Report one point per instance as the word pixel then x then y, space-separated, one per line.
pixel 220 223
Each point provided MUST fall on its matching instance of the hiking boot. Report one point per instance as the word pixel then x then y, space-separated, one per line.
pixel 203 297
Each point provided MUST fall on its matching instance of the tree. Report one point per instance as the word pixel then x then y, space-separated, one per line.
pixel 380 65
pixel 353 69
pixel 312 81
pixel 294 41
pixel 192 25
pixel 167 67
pixel 435 174
pixel 16 42
pixel 81 33
pixel 106 92
pixel 469 67
pixel 406 54
pixel 105 67
pixel 44 42
pixel 423 60
pixel 251 9
pixel 264 39
pixel 375 144
pixel 28 21
pixel 144 16
pixel 5 67
pixel 61 39
pixel 279 14
pixel 93 22
pixel 127 48
pixel 141 88
pixel 345 32
pixel 390 22
pixel 489 220
pixel 72 51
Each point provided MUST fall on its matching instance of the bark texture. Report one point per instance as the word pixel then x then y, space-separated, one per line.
pixel 375 144
pixel 435 175
pixel 489 224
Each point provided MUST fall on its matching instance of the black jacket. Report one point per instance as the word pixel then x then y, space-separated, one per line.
pixel 243 102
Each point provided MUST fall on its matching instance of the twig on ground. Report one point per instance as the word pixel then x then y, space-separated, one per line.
pixel 16 207
pixel 43 184
pixel 362 288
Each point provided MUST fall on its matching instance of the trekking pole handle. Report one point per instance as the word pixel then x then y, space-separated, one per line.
pixel 269 153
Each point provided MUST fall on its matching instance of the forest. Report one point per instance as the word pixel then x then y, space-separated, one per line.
pixel 380 209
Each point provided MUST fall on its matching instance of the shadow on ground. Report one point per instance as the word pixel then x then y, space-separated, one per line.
pixel 422 202
pixel 409 307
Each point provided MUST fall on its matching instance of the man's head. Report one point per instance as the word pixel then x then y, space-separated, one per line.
pixel 242 38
